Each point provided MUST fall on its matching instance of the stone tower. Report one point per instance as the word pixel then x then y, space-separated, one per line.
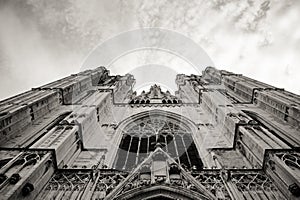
pixel 90 136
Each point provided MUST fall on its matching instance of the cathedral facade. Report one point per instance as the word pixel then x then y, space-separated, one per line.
pixel 90 136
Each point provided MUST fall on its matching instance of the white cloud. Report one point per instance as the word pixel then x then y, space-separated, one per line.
pixel 44 40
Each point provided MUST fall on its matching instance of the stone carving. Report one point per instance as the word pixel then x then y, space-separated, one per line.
pixel 255 184
pixel 83 115
pixel 290 159
pixel 213 182
pixel 155 95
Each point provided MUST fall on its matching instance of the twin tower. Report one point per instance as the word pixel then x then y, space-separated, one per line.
pixel 90 136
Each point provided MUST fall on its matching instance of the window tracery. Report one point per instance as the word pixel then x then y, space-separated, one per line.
pixel 141 136
pixel 290 159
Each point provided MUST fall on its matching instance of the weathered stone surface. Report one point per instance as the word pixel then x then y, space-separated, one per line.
pixel 89 136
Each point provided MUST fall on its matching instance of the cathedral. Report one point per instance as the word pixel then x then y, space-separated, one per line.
pixel 90 136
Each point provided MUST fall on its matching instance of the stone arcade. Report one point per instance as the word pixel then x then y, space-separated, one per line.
pixel 90 136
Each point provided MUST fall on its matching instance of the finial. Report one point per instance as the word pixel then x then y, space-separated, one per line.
pixel 158 145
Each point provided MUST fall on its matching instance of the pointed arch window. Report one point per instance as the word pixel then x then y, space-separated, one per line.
pixel 141 136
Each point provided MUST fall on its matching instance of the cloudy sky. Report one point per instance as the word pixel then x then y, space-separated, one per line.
pixel 41 41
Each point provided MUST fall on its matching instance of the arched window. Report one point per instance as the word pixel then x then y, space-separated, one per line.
pixel 141 136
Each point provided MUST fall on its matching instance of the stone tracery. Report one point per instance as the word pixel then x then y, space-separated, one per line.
pixel 142 135
pixel 63 155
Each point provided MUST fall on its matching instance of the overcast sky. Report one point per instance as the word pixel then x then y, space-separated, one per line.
pixel 41 40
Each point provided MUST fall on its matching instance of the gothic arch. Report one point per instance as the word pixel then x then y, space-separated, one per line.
pixel 163 193
pixel 140 133
pixel 169 114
